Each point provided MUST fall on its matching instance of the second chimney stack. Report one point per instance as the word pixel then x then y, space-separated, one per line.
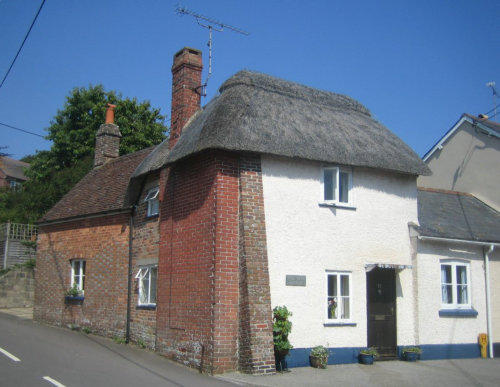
pixel 107 142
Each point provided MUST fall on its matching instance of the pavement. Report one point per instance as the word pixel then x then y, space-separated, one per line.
pixel 459 372
pixel 76 359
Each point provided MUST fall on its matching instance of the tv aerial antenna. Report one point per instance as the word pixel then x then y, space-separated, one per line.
pixel 212 25
pixel 495 95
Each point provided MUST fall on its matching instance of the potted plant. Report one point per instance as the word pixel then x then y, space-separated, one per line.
pixel 74 295
pixel 281 329
pixel 319 357
pixel 411 353
pixel 366 356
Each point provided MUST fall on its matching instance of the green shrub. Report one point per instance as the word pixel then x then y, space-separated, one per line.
pixel 281 329
pixel 412 350
pixel 321 354
pixel 370 351
pixel 119 340
pixel 73 292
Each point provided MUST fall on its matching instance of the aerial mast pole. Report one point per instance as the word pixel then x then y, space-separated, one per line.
pixel 211 25
pixel 495 94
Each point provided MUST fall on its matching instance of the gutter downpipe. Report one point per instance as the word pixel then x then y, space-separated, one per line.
pixel 486 275
pixel 129 273
pixel 488 301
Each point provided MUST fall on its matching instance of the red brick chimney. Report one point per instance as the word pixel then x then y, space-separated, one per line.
pixel 107 142
pixel 186 90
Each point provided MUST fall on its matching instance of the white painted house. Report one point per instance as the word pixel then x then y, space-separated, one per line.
pixel 338 247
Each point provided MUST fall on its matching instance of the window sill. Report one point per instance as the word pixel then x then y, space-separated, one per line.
pixel 346 206
pixel 146 307
pixel 151 217
pixel 458 313
pixel 339 324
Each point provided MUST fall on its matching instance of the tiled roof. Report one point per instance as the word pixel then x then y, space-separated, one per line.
pixel 456 215
pixel 103 189
pixel 13 168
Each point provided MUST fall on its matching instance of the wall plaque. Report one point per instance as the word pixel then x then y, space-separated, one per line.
pixel 295 280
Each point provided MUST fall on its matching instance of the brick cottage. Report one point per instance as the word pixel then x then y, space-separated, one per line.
pixel 272 194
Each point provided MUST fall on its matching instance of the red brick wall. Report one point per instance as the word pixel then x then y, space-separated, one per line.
pixel 145 242
pixel 103 243
pixel 203 290
pixel 186 91
pixel 256 353
pixel 198 275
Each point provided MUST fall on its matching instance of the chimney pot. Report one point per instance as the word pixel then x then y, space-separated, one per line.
pixel 110 114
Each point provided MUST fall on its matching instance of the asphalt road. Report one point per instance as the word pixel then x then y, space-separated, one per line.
pixel 76 359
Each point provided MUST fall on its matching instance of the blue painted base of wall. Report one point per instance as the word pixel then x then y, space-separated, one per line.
pixel 450 351
pixel 496 349
pixel 299 357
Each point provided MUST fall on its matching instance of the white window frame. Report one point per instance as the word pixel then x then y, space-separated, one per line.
pixel 152 199
pixel 339 292
pixel 80 275
pixel 141 274
pixel 454 284
pixel 336 200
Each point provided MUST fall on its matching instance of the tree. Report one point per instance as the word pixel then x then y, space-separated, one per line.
pixel 54 172
pixel 74 128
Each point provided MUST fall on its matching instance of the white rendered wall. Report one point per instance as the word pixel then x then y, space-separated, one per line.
pixel 304 238
pixel 450 330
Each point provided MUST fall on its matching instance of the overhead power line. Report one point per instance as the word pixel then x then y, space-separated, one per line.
pixel 21 130
pixel 22 44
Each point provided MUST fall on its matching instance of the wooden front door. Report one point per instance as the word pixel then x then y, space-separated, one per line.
pixel 381 305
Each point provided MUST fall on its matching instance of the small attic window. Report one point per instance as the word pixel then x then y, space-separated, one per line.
pixel 152 200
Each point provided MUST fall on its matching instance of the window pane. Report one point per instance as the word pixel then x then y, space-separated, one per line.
pixel 143 290
pixel 461 275
pixel 344 187
pixel 446 295
pixel 346 309
pixel 462 296
pixel 154 272
pixel 344 287
pixel 445 274
pixel 332 285
pixel 153 206
pixel 332 308
pixel 329 182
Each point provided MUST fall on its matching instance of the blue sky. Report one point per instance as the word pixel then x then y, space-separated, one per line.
pixel 416 65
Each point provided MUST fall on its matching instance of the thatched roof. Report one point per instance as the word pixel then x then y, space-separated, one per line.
pixel 259 113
